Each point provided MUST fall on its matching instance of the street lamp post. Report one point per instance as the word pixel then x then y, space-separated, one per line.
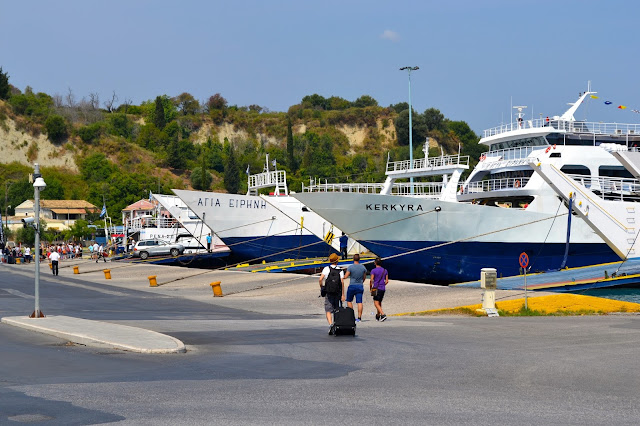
pixel 409 69
pixel 38 185
pixel 7 185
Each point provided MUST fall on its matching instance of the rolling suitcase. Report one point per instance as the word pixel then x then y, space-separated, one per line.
pixel 344 321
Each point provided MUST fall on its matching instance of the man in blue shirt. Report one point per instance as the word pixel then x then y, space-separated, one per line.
pixel 343 245
pixel 208 242
pixel 358 273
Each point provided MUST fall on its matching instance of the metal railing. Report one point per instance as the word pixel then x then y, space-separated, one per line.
pixel 567 126
pixel 610 188
pixel 425 189
pixel 494 185
pixel 428 163
pixel 151 222
pixel 268 179
pixel 513 153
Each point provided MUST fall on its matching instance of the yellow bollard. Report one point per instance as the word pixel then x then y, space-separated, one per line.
pixel 17 260
pixel 107 273
pixel 152 281
pixel 217 290
pixel 76 270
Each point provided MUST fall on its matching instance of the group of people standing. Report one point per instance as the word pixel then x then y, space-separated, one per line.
pixel 357 273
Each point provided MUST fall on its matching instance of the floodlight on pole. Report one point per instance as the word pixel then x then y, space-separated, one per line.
pixel 38 185
pixel 409 69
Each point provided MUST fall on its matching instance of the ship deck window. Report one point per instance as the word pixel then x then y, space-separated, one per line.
pixel 575 169
pixel 614 171
pixel 535 141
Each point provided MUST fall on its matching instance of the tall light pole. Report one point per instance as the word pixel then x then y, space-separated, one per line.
pixel 409 69
pixel 38 185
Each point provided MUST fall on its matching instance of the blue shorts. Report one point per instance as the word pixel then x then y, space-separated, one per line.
pixel 356 291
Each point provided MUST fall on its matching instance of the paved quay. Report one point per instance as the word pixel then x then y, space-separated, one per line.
pixel 265 293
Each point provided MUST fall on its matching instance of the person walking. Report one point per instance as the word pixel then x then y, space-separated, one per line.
pixel 54 257
pixel 27 254
pixel 333 288
pixel 357 273
pixel 100 254
pixel 343 245
pixel 378 282
pixel 209 242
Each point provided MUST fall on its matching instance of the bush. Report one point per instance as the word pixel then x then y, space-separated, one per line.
pixel 56 128
pixel 90 133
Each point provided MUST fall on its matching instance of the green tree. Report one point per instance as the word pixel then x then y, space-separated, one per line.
pixel 54 190
pixel 402 128
pixel 214 156
pixel 79 230
pixel 434 119
pixel 231 172
pixel 151 138
pixel 365 101
pixel 56 128
pixel 187 104
pixel 159 118
pixel 96 168
pixel 290 157
pixel 5 89
pixel 314 101
pixel 399 107
pixel 318 159
pixel 201 179
pixel 216 102
pixel 120 125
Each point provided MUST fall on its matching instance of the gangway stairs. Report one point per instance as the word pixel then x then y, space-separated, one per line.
pixel 612 216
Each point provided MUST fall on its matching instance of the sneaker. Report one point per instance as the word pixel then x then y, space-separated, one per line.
pixel 331 331
pixel 377 317
pixel 383 317
pixel 358 320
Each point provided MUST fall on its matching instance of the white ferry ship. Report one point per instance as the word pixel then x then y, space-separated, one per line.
pixel 500 211
pixel 260 227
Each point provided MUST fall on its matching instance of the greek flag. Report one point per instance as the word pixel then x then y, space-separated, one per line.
pixel 247 172
pixel 104 210
pixel 273 163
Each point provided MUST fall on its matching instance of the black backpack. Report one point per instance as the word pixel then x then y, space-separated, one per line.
pixel 333 284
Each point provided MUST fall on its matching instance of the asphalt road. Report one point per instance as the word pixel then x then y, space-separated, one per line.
pixel 245 367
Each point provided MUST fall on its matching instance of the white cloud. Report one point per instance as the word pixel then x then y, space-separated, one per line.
pixel 390 35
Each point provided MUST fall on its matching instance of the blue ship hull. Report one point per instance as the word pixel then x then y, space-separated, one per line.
pixel 461 262
pixel 276 248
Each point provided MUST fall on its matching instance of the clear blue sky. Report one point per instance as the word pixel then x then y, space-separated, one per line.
pixel 474 56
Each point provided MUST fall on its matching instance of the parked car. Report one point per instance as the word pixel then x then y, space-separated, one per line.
pixel 145 248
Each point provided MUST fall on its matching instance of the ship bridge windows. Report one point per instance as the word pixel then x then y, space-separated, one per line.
pixel 614 171
pixel 575 169
pixel 517 143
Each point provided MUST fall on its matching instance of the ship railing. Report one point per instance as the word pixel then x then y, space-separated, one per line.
pixel 428 163
pixel 150 222
pixel 597 128
pixel 427 189
pixel 363 188
pixel 494 185
pixel 513 153
pixel 610 188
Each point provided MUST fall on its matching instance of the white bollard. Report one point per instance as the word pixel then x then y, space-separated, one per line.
pixel 488 281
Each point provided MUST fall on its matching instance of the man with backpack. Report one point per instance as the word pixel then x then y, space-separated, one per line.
pixel 333 289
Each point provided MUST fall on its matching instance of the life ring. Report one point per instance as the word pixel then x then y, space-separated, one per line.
pixel 516 184
pixel 548 149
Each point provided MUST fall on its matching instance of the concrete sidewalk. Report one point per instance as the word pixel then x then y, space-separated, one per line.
pixel 100 334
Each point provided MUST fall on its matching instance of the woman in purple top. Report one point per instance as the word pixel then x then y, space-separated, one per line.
pixel 379 281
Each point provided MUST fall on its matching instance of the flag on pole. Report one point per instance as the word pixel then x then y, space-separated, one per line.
pixel 104 210
pixel 273 163
pixel 149 196
pixel 594 97
pixel 622 107
pixel 247 172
